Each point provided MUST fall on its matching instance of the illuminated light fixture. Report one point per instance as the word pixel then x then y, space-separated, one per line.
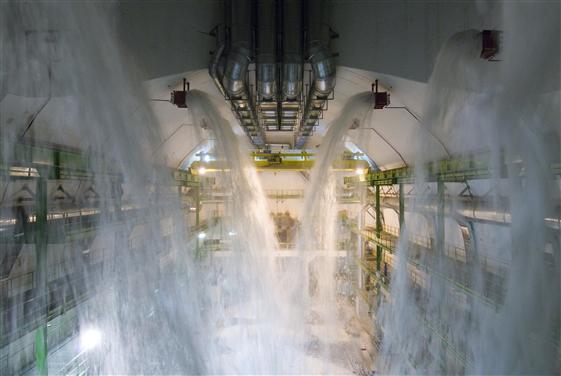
pixel 201 235
pixel 202 170
pixel 23 171
pixel 90 339
pixel 206 158
pixel 232 233
pixel 359 171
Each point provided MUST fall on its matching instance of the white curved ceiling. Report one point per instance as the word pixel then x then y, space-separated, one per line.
pixel 388 136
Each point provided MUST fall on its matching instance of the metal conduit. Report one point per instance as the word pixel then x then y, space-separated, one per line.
pixel 292 49
pixel 266 49
pixel 473 210
pixel 238 58
pixel 216 71
pixel 234 80
pixel 323 67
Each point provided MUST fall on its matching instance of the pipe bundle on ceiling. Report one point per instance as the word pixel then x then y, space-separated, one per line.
pixel 323 67
pixel 274 35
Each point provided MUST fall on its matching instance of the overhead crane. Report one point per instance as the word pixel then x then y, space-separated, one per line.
pixel 284 161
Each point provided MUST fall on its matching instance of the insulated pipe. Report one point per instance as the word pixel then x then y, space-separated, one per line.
pixel 473 211
pixel 215 71
pixel 292 48
pixel 323 67
pixel 266 49
pixel 234 79
pixel 323 64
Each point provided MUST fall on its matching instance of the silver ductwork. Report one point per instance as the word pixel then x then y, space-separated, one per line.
pixel 234 79
pixel 292 80
pixel 471 210
pixel 321 59
pixel 270 96
pixel 266 49
pixel 323 67
pixel 236 70
pixel 231 77
pixel 292 49
pixel 216 71
pixel 266 79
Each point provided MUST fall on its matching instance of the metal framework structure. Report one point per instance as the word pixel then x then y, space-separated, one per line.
pixel 455 170
pixel 452 170
pixel 264 48
pixel 36 165
pixel 291 161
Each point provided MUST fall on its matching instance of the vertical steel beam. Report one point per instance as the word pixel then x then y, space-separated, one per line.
pixel 440 233
pixel 470 245
pixel 197 219
pixel 360 248
pixel 41 292
pixel 401 208
pixel 378 229
pixel 440 218
pixel 118 199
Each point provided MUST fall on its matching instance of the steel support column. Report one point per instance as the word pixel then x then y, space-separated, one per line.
pixel 360 243
pixel 197 219
pixel 41 289
pixel 440 218
pixel 378 229
pixel 118 200
pixel 440 233
pixel 401 208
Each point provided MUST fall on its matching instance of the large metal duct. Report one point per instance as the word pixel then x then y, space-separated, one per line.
pixel 266 49
pixel 323 64
pixel 292 49
pixel 472 210
pixel 234 79
pixel 323 67
pixel 216 68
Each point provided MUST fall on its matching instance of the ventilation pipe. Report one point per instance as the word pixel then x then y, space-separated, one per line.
pixel 238 59
pixel 292 49
pixel 323 67
pixel 266 49
pixel 234 79
pixel 473 210
pixel 323 64
pixel 216 68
